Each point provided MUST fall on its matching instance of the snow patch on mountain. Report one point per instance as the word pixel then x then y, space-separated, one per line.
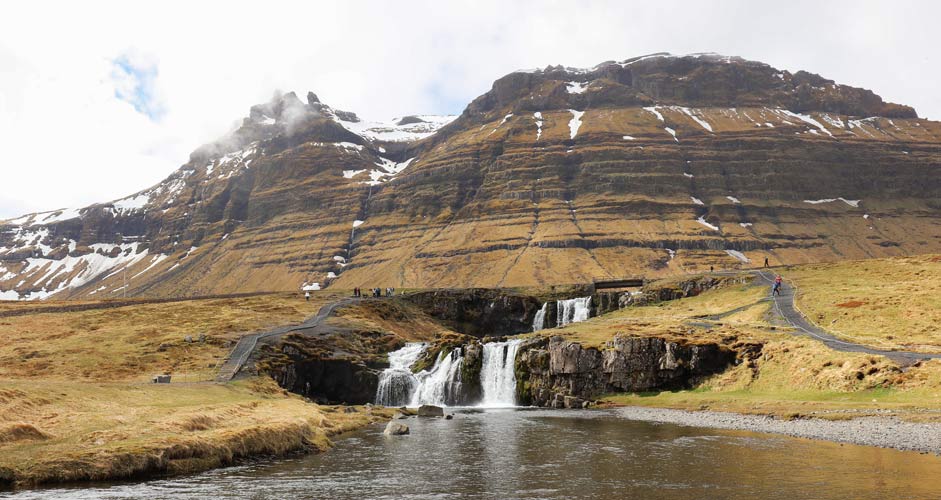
pixel 852 203
pixel 392 131
pixel 806 119
pixel 387 170
pixel 131 203
pixel 702 220
pixel 576 87
pixel 575 123
pixel 70 272
pixel 653 109
pixel 738 255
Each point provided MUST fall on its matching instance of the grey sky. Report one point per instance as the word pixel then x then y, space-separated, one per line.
pixel 97 103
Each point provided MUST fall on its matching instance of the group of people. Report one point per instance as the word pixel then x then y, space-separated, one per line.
pixel 376 292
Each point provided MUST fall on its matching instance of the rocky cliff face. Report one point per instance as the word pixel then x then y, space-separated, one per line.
pixel 648 166
pixel 479 312
pixel 554 372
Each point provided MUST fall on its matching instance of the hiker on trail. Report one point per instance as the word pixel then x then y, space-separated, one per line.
pixel 776 288
pixel 766 262
pixel 307 295
pixel 711 269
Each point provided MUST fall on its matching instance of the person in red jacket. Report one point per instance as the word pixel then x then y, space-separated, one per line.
pixel 776 289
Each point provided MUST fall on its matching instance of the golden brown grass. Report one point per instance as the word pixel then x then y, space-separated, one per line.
pixel 67 431
pixel 124 343
pixel 886 303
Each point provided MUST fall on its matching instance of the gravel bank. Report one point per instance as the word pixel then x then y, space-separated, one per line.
pixel 884 432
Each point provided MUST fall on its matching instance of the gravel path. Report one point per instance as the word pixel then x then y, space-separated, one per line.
pixel 785 309
pixel 247 343
pixel 884 432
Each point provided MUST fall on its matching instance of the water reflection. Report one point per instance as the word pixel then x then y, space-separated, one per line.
pixel 563 454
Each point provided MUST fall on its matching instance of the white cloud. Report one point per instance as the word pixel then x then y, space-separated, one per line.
pixel 69 139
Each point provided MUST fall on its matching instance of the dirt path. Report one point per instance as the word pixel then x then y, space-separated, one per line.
pixel 785 309
pixel 247 343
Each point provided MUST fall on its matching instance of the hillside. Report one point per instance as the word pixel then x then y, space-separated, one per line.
pixel 654 165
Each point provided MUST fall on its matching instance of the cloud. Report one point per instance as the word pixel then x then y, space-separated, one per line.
pixel 98 103
pixel 134 77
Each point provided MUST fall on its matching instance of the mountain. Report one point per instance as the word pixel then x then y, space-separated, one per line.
pixel 654 165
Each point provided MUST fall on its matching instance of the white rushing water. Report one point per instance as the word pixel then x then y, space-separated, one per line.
pixel 397 382
pixel 539 322
pixel 442 384
pixel 497 374
pixel 573 310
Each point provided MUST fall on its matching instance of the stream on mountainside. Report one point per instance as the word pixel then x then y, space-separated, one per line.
pixel 529 453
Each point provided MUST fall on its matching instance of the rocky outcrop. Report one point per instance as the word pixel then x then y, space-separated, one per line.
pixel 661 291
pixel 346 381
pixel 479 312
pixel 555 372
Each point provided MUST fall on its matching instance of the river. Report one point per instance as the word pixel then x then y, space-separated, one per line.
pixel 529 454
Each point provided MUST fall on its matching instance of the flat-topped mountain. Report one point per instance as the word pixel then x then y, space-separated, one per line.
pixel 654 165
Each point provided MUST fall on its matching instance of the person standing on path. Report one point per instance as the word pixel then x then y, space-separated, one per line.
pixel 766 262
pixel 776 288
pixel 307 295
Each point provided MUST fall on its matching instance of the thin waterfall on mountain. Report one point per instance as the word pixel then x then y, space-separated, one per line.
pixel 539 322
pixel 573 310
pixel 397 382
pixel 497 373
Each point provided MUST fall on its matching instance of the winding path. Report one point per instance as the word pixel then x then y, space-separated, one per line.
pixel 785 309
pixel 247 343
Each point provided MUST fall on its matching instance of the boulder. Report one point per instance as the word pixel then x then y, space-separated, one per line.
pixel 395 429
pixel 399 416
pixel 430 411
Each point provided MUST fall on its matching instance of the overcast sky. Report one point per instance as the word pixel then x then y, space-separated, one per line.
pixel 99 100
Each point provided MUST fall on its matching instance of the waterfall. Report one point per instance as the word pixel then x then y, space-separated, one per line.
pixel 539 322
pixel 497 373
pixel 442 384
pixel 397 382
pixel 573 310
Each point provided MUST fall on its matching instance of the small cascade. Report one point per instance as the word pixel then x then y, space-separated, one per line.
pixel 442 384
pixel 497 373
pixel 573 310
pixel 539 322
pixel 397 382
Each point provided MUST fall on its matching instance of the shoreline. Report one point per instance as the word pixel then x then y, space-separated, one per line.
pixel 881 432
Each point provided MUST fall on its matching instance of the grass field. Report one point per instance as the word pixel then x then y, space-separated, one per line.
pixel 75 402
pixel 887 303
pixel 70 431
pixel 133 343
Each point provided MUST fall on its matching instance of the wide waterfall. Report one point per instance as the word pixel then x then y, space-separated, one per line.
pixel 397 383
pixel 442 384
pixel 573 310
pixel 539 322
pixel 497 373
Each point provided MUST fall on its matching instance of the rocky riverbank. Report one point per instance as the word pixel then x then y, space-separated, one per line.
pixel 884 432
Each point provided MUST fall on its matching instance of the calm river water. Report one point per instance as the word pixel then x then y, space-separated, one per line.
pixel 554 454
